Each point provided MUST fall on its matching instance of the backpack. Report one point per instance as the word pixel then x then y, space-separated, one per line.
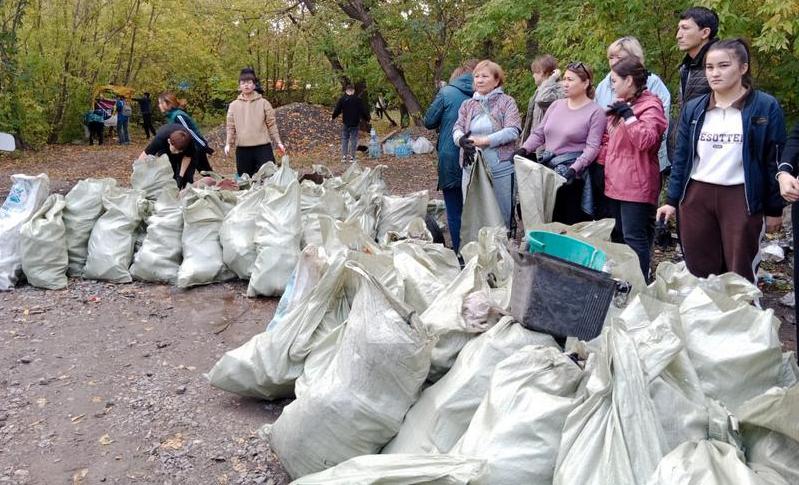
pixel 127 111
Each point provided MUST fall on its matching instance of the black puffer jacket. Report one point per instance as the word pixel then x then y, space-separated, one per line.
pixel 693 82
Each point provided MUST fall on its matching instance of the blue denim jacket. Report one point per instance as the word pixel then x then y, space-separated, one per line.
pixel 764 139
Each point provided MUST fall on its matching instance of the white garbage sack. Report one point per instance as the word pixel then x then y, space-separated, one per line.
pixel 770 431
pixel 480 207
pixel 614 436
pixel 540 186
pixel 673 282
pixel 266 171
pixel 237 234
pixel 315 201
pixel 365 211
pixel 306 275
pixel 203 213
pixel 365 181
pixel 443 412
pixel 491 251
pixel 357 405
pixel 43 247
pixel 268 364
pixel 27 194
pixel 417 230
pixel 84 205
pixel 114 236
pixel 277 240
pixel 422 145
pixel 284 175
pixel 707 462
pixel 425 270
pixel 399 470
pixel 396 212
pixel 518 426
pixel 160 255
pixel 734 347
pixel 152 175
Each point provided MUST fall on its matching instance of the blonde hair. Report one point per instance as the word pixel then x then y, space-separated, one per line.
pixel 493 68
pixel 630 45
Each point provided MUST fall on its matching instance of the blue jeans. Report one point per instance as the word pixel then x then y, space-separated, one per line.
pixel 349 140
pixel 122 132
pixel 453 201
pixel 635 227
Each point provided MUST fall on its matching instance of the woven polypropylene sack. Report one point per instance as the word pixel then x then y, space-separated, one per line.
pixel 26 196
pixel 160 255
pixel 43 246
pixel 114 236
pixel 153 175
pixel 84 205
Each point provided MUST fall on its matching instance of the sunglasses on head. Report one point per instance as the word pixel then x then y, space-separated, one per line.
pixel 577 65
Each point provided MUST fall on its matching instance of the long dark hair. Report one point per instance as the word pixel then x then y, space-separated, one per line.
pixel 739 49
pixel 632 67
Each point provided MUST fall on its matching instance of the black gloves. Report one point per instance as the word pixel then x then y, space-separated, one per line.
pixel 525 154
pixel 566 172
pixel 621 109
pixel 180 181
pixel 467 145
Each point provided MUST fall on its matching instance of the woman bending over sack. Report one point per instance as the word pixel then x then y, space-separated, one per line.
pixel 176 143
pixel 173 110
pixel 635 127
pixel 723 185
pixel 490 121
pixel 571 134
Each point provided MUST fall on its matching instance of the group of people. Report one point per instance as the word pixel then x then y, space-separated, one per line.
pixel 614 146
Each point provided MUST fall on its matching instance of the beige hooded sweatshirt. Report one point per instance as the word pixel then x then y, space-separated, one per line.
pixel 251 122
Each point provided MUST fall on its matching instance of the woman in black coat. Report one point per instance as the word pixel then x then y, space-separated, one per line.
pixel 175 142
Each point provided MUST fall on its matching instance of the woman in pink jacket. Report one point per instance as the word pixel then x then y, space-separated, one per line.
pixel 629 152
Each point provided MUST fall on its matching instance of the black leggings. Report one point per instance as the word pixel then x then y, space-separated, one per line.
pixel 250 159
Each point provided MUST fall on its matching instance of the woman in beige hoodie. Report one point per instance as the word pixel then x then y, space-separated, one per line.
pixel 251 127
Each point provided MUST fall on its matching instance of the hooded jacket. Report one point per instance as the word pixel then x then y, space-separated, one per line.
pixel 549 91
pixel 251 122
pixel 630 152
pixel 442 115
pixel 764 139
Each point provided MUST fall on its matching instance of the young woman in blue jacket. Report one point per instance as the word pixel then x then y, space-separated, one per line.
pixel 174 113
pixel 723 185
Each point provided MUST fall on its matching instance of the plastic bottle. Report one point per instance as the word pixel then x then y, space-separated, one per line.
pixel 374 146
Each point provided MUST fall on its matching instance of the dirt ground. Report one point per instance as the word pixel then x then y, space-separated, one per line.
pixel 103 383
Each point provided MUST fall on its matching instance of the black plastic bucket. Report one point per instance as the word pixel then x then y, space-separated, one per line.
pixel 558 297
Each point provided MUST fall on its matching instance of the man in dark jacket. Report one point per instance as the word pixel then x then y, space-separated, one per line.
pixel 353 109
pixel 442 115
pixel 145 106
pixel 696 31
pixel 176 143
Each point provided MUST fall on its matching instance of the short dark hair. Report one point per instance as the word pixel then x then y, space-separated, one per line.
pixel 146 94
pixel 348 87
pixel 247 75
pixel 180 139
pixel 704 17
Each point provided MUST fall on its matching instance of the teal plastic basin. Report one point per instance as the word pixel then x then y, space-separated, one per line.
pixel 568 248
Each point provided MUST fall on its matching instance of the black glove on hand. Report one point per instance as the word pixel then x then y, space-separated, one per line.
pixel 621 109
pixel 465 142
pixel 180 181
pixel 468 156
pixel 566 172
pixel 525 154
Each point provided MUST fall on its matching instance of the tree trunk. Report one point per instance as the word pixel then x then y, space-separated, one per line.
pixel 331 55
pixel 356 10
pixel 530 40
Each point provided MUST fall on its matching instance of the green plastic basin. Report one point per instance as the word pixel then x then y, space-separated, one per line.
pixel 566 247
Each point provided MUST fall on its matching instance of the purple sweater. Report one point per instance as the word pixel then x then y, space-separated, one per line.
pixel 565 130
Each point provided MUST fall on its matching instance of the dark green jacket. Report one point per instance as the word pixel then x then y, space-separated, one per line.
pixel 443 114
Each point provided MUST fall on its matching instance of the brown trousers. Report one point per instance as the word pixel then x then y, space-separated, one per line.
pixel 716 233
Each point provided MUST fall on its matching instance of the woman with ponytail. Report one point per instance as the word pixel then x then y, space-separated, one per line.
pixel 174 110
pixel 724 180
pixel 635 127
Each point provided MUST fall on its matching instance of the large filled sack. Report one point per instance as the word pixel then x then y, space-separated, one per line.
pixel 396 212
pixel 443 412
pixel 284 175
pixel 268 364
pixel 708 462
pixel 356 406
pixel 365 211
pixel 317 201
pixel 598 446
pixel 517 428
pixel 480 207
pixel 399 470
pixel 43 247
pixel 425 269
pixel 541 185
pixel 277 240
pixel 673 282
pixel 237 234
pixel 26 196
pixel 153 175
pixel 159 257
pixel 492 254
pixel 114 236
pixel 84 205
pixel 203 213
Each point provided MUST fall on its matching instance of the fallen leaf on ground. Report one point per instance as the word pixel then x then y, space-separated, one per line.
pixel 77 418
pixel 105 440
pixel 79 476
pixel 174 442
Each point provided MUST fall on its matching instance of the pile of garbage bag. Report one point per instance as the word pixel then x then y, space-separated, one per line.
pixel 406 369
pixel 217 229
